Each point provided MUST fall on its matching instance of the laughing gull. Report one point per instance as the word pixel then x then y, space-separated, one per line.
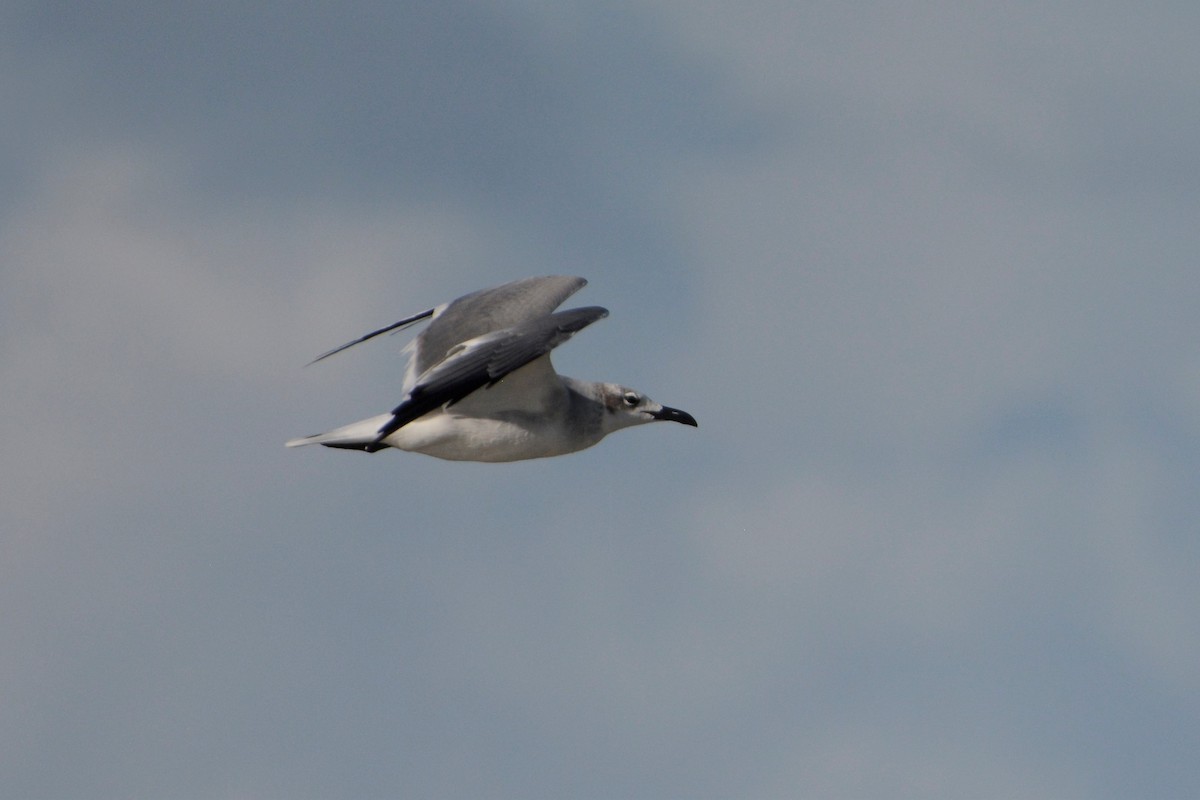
pixel 480 386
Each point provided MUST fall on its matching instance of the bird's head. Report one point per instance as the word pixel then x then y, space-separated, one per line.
pixel 625 407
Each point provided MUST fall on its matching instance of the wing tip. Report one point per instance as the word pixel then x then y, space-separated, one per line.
pixel 395 326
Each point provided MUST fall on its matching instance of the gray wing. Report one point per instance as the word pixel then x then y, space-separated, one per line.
pixel 490 310
pixel 485 359
pixel 476 314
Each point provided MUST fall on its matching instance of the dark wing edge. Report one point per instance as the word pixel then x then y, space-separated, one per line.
pixel 395 326
pixel 485 360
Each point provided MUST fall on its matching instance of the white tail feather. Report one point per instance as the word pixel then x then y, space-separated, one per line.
pixel 361 432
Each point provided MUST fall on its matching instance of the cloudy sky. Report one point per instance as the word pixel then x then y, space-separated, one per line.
pixel 925 273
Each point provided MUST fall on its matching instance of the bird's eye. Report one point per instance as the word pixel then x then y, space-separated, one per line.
pixel 631 399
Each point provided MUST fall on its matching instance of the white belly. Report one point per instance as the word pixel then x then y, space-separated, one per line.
pixel 455 438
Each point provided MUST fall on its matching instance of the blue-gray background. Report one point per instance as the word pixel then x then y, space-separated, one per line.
pixel 925 273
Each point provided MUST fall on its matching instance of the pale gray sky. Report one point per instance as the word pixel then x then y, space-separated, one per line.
pixel 925 273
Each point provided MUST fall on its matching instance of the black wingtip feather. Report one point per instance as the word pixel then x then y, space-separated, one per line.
pixel 395 326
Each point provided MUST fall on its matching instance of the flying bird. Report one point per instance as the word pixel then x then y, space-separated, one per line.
pixel 480 387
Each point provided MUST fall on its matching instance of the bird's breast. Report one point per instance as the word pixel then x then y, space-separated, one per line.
pixel 515 437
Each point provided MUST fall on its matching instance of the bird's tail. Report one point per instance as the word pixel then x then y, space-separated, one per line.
pixel 359 435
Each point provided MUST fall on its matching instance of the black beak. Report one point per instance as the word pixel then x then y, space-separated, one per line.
pixel 667 413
